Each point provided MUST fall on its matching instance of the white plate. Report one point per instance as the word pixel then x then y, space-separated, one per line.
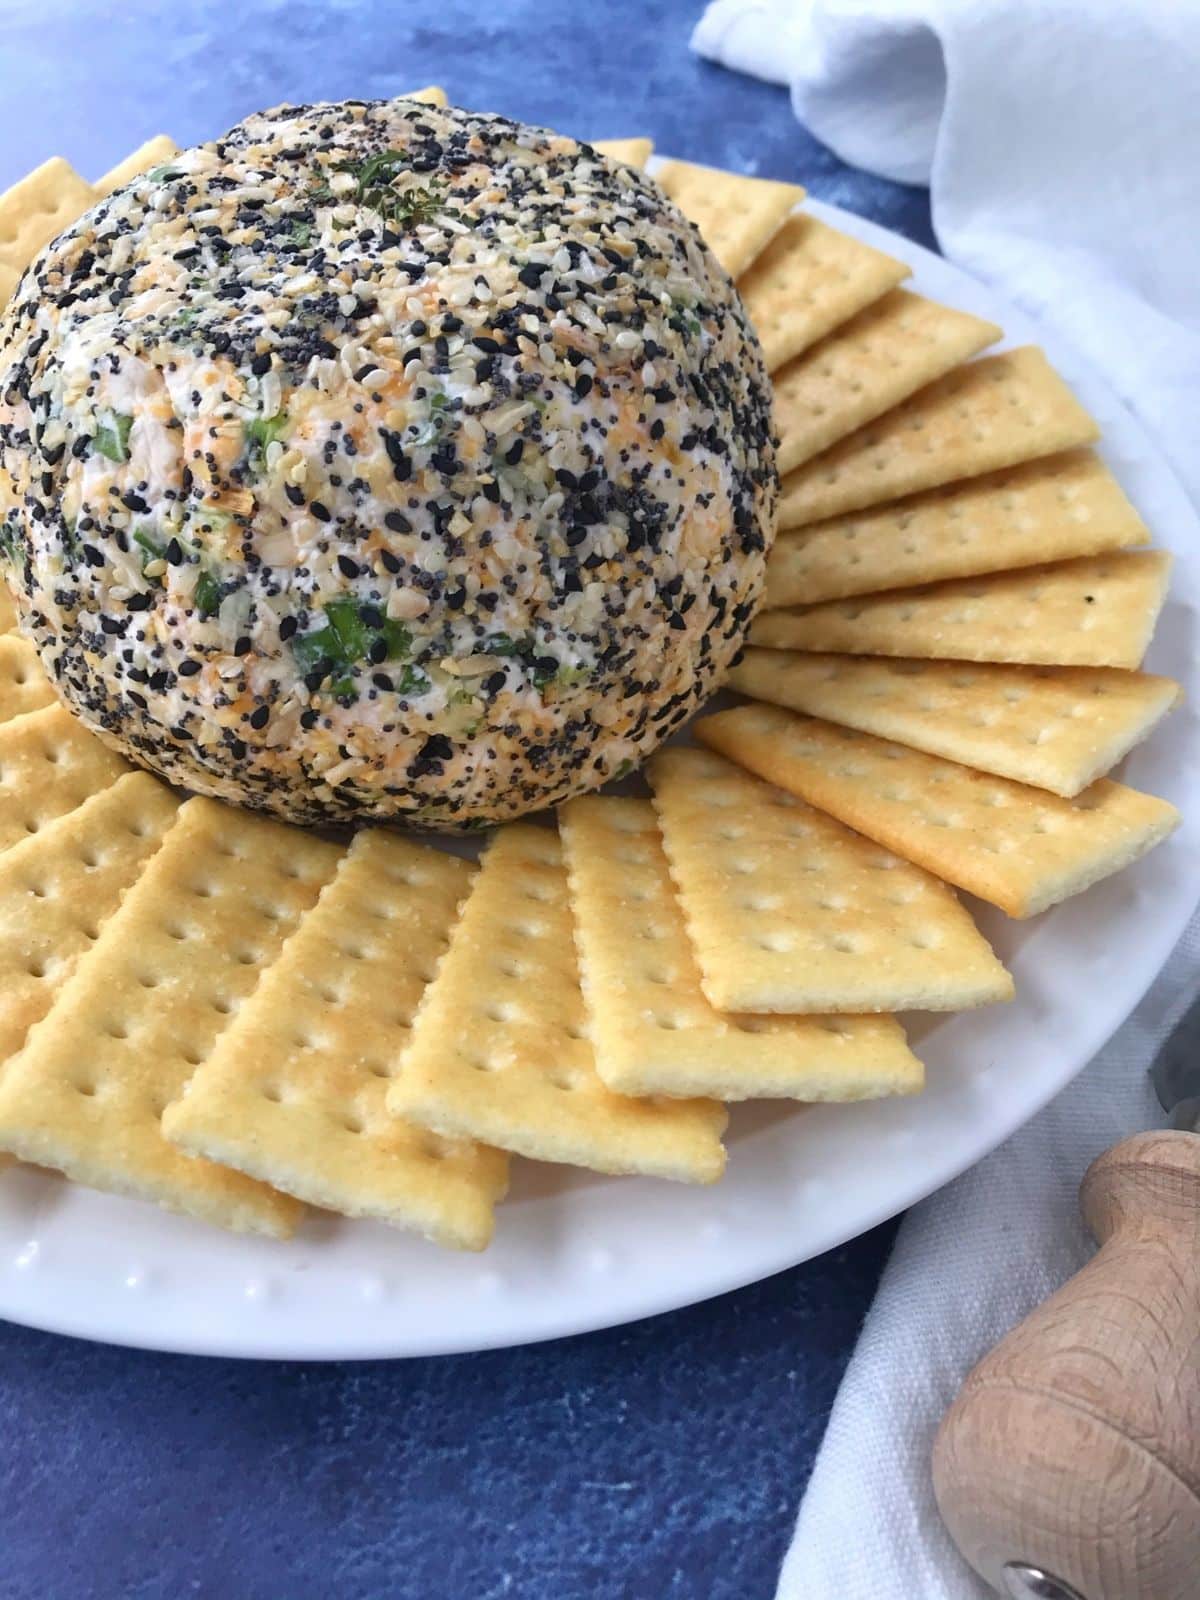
pixel 574 1251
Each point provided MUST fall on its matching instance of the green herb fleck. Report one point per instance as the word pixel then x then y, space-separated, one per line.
pixel 624 768
pixel 10 539
pixel 151 549
pixel 348 627
pixel 375 186
pixel 570 677
pixel 313 651
pixel 261 432
pixel 114 442
pixel 429 430
pixel 397 638
pixel 500 644
pixel 207 595
pixel 347 639
pixel 344 688
pixel 301 232
pixel 162 174
pixel 411 682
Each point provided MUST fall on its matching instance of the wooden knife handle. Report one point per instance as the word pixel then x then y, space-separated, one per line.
pixel 1073 1449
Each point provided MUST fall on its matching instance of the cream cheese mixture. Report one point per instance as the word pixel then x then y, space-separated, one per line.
pixel 383 461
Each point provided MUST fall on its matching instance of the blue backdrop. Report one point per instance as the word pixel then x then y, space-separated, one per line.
pixel 657 1462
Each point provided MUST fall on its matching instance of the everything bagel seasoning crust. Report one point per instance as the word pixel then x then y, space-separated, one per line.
pixel 382 461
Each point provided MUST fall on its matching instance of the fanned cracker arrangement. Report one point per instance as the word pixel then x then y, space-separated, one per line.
pixel 237 1019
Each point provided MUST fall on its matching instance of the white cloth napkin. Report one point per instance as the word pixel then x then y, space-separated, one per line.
pixel 1061 141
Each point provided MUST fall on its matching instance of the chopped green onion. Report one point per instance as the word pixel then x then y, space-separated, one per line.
pixel 160 174
pixel 343 688
pixel 412 682
pixel 398 640
pixel 348 627
pixel 114 442
pixel 151 549
pixel 207 595
pixel 313 650
pixel 347 639
pixel 261 432
pixel 569 677
pixel 429 430
pixel 500 644
pixel 10 538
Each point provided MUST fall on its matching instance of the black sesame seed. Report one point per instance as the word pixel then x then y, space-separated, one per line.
pixel 320 511
pixel 348 567
pixel 260 717
pixel 187 669
pixel 397 522
pixel 294 493
pixel 260 366
pixel 242 646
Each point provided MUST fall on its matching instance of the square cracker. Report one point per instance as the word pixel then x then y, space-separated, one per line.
pixel 1058 728
pixel 58 888
pixel 790 911
pixel 23 685
pixel 155 152
pixel 632 152
pixel 867 366
pixel 144 1008
pixel 8 610
pixel 1054 509
pixel 499 1048
pixel 652 1028
pixel 808 281
pixel 1098 611
pixel 33 211
pixel 986 415
pixel 49 764
pixel 736 215
pixel 294 1092
pixel 1020 848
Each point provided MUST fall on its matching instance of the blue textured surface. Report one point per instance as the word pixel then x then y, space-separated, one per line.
pixel 657 1462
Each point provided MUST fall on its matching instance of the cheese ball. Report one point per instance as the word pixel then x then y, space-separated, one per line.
pixel 384 462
